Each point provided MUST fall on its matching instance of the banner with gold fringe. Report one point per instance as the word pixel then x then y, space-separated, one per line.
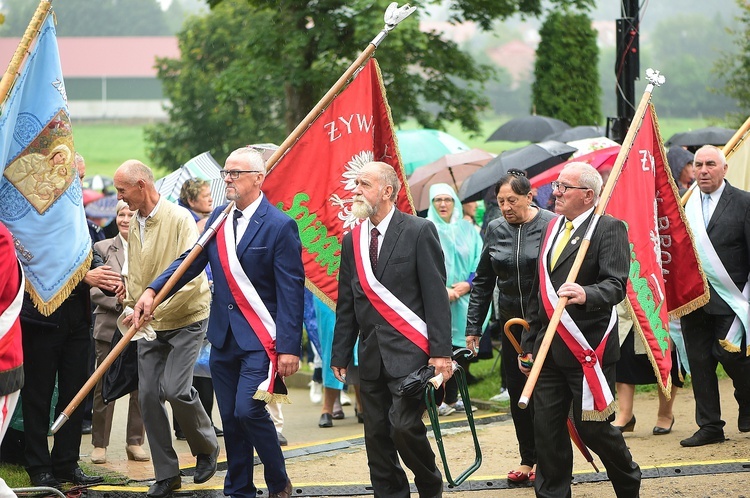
pixel 665 278
pixel 313 182
pixel 40 194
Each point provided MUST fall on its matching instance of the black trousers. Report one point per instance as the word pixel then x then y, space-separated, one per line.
pixel 523 419
pixel 557 390
pixel 53 352
pixel 393 428
pixel 702 333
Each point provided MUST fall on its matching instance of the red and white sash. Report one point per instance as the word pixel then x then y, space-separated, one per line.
pixel 396 313
pixel 272 389
pixel 597 400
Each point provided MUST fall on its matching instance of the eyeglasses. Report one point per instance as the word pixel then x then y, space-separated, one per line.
pixel 442 201
pixel 235 173
pixel 564 188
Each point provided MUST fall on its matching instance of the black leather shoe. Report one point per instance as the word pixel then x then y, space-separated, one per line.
pixel 179 435
pixel 205 466
pixel 661 431
pixel 46 480
pixel 702 437
pixel 164 488
pixel 743 423
pixel 218 432
pixel 282 439
pixel 79 478
pixel 629 427
pixel 86 427
pixel 326 420
pixel 339 415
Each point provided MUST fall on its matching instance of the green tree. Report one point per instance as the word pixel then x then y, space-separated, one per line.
pixel 736 66
pixel 566 84
pixel 266 86
pixel 91 18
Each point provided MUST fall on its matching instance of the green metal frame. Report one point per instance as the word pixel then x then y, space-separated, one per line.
pixel 432 411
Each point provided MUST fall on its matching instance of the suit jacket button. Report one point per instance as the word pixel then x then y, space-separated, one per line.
pixel 231 307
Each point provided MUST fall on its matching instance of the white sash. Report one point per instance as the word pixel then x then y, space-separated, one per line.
pixel 389 306
pixel 718 277
pixel 595 387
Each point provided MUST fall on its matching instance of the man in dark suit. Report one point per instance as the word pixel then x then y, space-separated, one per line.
pixel 719 216
pixel 255 320
pixel 586 342
pixel 392 296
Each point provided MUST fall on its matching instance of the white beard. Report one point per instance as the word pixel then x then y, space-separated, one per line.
pixel 361 209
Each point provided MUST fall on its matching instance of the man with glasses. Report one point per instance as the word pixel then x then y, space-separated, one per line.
pixel 255 327
pixel 579 371
pixel 719 216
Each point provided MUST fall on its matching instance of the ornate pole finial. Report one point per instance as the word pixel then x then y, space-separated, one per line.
pixel 655 78
pixel 393 15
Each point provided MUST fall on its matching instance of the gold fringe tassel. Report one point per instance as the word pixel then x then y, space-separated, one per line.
pixel 729 346
pixel 46 308
pixel 272 398
pixel 599 416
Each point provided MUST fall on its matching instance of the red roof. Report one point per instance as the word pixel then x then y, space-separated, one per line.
pixel 93 57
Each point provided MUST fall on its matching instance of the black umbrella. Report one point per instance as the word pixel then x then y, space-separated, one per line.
pixel 533 159
pixel 529 128
pixel 577 133
pixel 414 385
pixel 713 135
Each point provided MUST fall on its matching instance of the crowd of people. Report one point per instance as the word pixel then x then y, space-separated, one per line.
pixel 412 292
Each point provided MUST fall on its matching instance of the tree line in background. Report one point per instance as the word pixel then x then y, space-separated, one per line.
pixel 251 69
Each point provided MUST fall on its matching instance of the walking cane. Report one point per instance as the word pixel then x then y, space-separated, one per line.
pixel 120 346
pixel 432 411
pixel 572 431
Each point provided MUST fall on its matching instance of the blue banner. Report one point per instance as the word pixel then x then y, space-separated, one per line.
pixel 41 200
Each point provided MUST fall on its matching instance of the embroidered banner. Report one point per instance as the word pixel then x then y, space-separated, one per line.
pixel 40 194
pixel 665 274
pixel 313 182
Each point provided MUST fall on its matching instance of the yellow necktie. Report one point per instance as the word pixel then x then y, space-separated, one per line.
pixel 564 238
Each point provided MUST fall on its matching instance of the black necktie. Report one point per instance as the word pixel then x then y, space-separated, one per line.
pixel 374 248
pixel 237 216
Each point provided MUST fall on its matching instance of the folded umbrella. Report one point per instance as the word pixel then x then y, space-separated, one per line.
pixel 415 384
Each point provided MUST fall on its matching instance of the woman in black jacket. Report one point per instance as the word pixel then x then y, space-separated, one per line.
pixel 509 261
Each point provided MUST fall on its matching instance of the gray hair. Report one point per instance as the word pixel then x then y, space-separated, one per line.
pixel 120 205
pixel 590 177
pixel 135 170
pixel 253 157
pixel 388 176
pixel 717 150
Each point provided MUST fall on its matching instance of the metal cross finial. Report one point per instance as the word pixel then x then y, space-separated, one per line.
pixel 393 15
pixel 655 77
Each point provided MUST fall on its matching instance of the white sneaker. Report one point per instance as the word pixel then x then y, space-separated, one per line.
pixel 316 392
pixel 503 396
pixel 445 409
pixel 345 399
pixel 459 406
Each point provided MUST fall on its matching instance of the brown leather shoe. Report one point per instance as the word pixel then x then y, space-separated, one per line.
pixel 285 493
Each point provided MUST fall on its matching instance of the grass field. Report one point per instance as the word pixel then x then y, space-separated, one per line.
pixel 106 145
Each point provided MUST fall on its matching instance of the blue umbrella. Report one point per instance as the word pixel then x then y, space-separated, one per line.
pixel 420 147
pixel 102 208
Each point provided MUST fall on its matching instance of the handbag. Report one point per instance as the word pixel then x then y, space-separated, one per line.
pixel 121 377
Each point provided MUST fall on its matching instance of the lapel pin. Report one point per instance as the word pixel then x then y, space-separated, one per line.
pixel 574 241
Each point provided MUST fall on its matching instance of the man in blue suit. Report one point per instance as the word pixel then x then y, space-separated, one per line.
pixel 255 324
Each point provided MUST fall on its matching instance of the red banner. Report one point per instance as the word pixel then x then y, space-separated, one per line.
pixel 665 278
pixel 314 180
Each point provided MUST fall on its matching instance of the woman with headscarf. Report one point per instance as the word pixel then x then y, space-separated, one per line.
pixel 462 246
pixel 509 260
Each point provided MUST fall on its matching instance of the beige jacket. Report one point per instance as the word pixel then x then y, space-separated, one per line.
pixel 168 234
